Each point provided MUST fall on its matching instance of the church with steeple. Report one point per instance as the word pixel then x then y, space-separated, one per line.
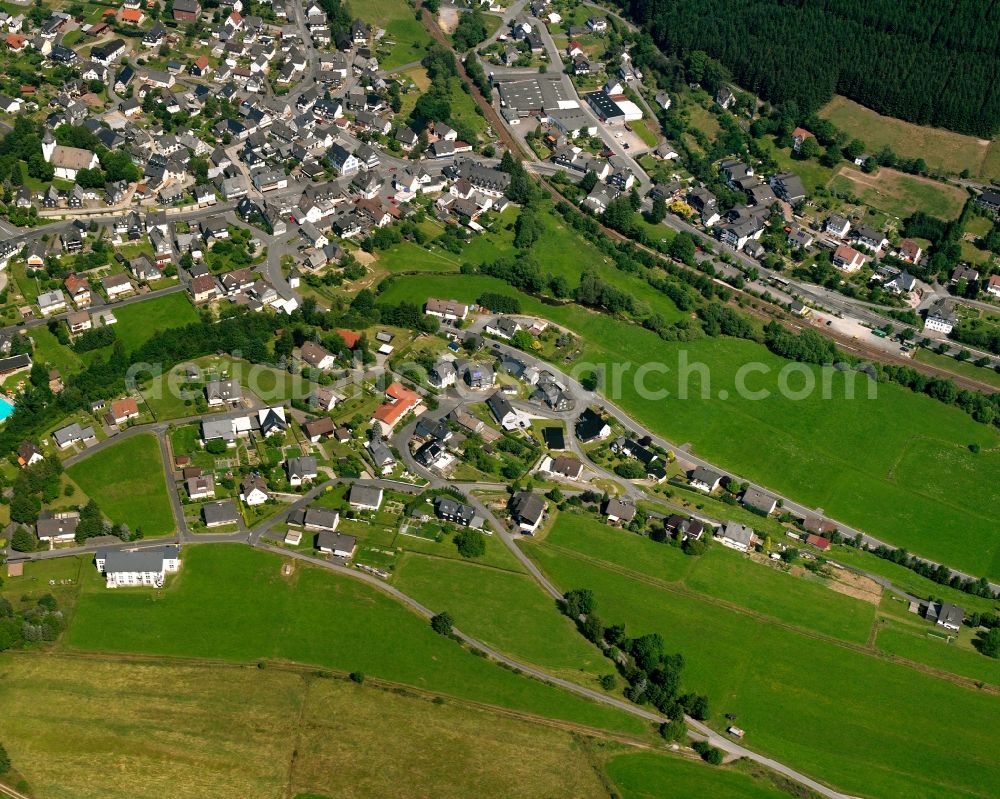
pixel 67 161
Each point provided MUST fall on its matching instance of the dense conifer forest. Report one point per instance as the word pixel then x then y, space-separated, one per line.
pixel 933 62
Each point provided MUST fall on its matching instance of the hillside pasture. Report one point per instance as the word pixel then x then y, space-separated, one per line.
pixel 861 723
pixel 88 728
pixel 899 194
pixel 917 485
pixel 942 150
pixel 312 616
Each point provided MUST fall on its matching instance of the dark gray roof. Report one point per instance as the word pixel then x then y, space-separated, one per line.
pixel 321 518
pixel 761 500
pixel 300 467
pixel 527 507
pixel 452 509
pixel 704 475
pixel 620 508
pixel 335 541
pixel 499 405
pixel 223 512
pixel 140 560
pixel 589 425
pixel 365 495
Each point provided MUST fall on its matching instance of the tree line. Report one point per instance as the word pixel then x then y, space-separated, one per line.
pixel 653 675
pixel 937 66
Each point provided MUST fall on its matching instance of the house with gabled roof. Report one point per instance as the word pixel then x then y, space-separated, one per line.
pixel 527 509
pixel 759 501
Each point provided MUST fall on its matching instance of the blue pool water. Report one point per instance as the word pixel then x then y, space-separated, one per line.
pixel 6 409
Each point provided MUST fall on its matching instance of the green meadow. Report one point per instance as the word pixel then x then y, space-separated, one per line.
pixel 868 726
pixel 644 775
pixel 142 321
pixel 561 251
pixel 920 643
pixel 506 610
pixel 897 466
pixel 232 603
pixel 720 573
pixel 127 482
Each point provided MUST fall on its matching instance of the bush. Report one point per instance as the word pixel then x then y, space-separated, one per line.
pixel 674 730
pixel 471 543
pixel 709 753
pixel 609 682
pixel 358 677
pixel 692 547
pixel 442 624
pixel 23 540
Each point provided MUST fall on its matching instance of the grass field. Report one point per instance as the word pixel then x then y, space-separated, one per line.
pixel 128 483
pixel 312 617
pixel 916 463
pixel 643 129
pixel 643 775
pixel 810 702
pixel 508 611
pixel 496 555
pixel 141 321
pixel 814 175
pixel 942 150
pixel 564 253
pixel 92 728
pixel 914 643
pixel 702 119
pixel 909 581
pixel 990 169
pixel 419 77
pixel 49 351
pixel 408 36
pixel 409 256
pixel 899 194
pixel 965 368
pixel 719 573
pixel 464 108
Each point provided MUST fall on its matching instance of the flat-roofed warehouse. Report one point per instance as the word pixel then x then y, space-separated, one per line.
pixel 534 96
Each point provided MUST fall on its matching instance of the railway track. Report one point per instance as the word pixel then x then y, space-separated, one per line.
pixel 852 345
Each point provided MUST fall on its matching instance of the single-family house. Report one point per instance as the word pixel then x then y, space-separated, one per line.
pixel 221 513
pixel 253 490
pixel 363 497
pixel 527 509
pixel 301 469
pixel 617 510
pixel 705 479
pixel 507 416
pixel 759 501
pixel 738 536
pixel 338 545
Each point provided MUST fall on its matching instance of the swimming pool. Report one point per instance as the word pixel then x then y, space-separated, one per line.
pixel 6 409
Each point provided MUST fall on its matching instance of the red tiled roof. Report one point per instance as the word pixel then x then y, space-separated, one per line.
pixel 845 253
pixel 124 407
pixel 350 337
pixel 402 401
pixel 75 283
